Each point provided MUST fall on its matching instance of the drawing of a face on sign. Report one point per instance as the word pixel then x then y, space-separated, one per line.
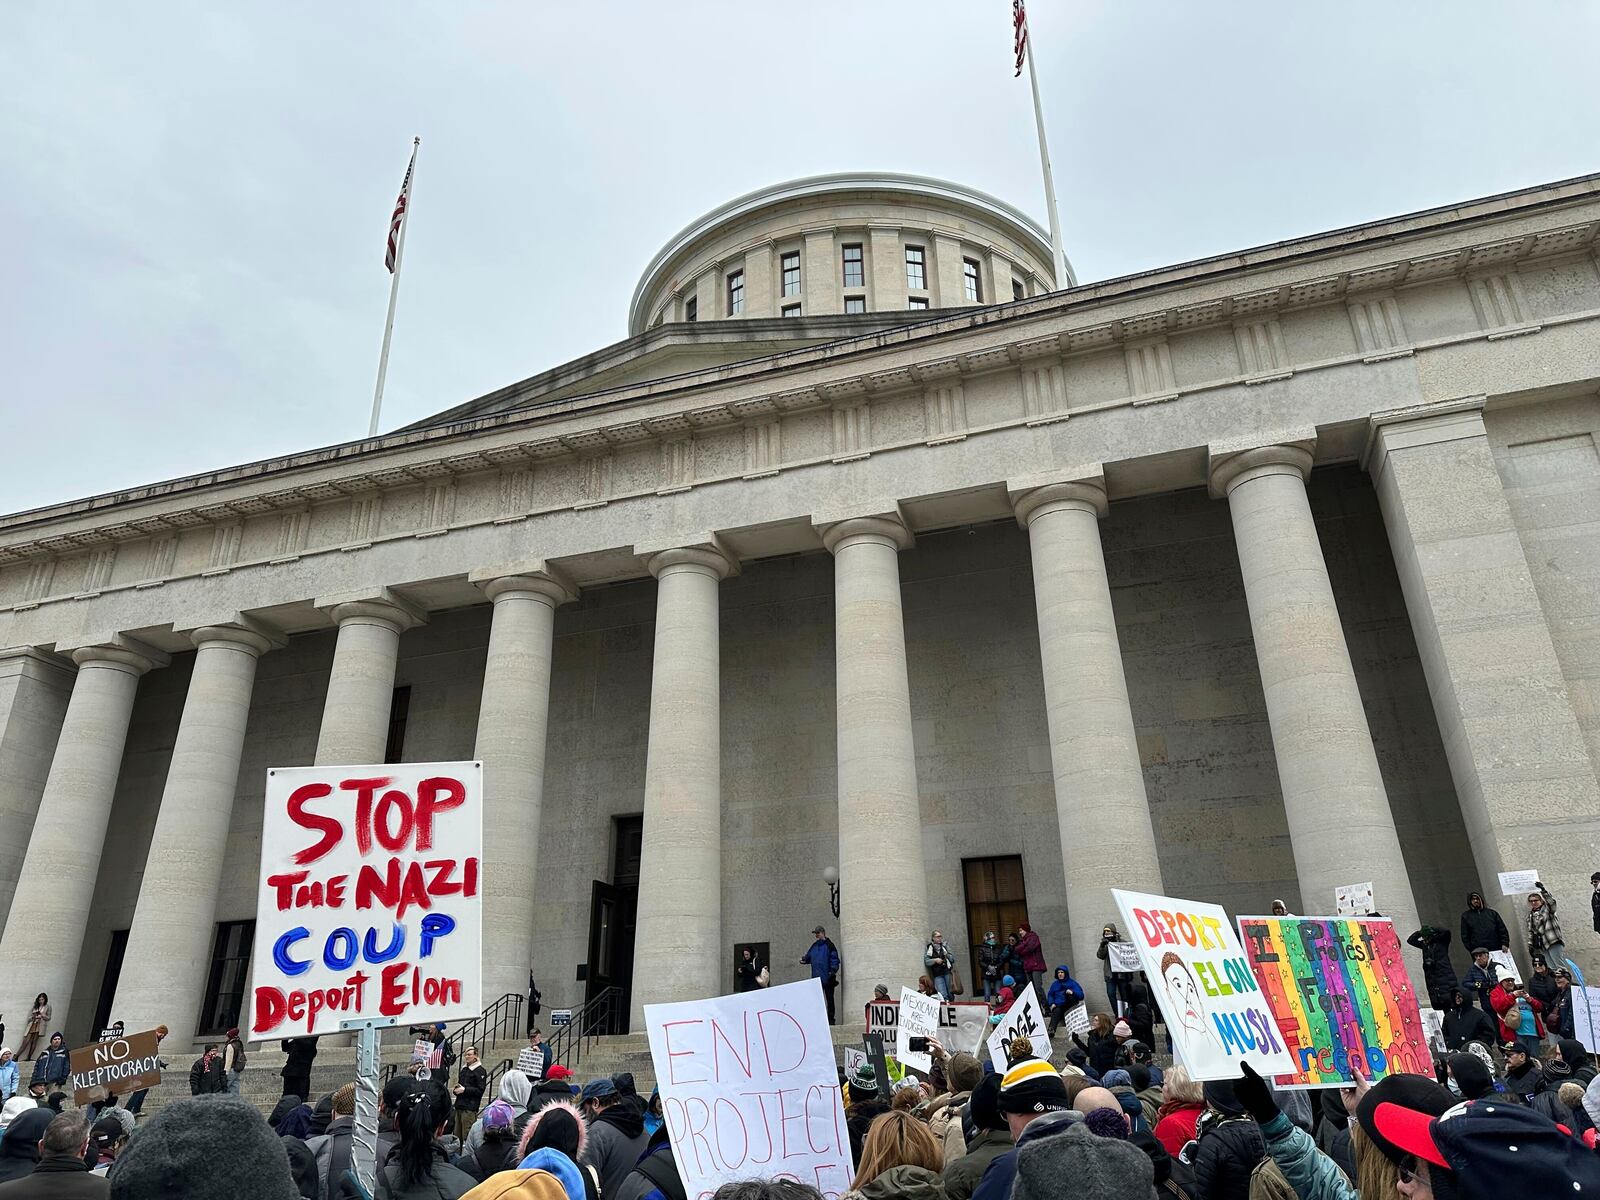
pixel 1184 999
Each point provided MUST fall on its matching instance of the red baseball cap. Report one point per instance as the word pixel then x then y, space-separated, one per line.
pixel 558 1072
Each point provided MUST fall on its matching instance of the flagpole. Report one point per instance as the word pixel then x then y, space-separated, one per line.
pixel 1064 277
pixel 394 290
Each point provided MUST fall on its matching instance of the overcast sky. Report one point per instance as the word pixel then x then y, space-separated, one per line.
pixel 194 197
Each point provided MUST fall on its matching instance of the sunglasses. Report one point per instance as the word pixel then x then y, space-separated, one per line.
pixel 1408 1173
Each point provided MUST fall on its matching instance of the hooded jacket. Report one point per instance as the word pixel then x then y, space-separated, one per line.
pixel 997 1181
pixel 1575 1056
pixel 656 1177
pixel 512 1101
pixel 616 1143
pixel 901 1183
pixel 10 1079
pixel 1064 990
pixel 1437 970
pixel 962 1175
pixel 1031 951
pixel 1466 1022
pixel 19 1148
pixel 1482 926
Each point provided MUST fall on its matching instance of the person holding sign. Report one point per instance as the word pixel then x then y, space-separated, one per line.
pixel 1065 993
pixel 1544 927
pixel 1114 979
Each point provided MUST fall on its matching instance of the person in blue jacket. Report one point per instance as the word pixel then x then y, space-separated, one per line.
pixel 823 959
pixel 1064 994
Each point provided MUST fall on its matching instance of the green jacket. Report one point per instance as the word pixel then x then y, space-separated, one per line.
pixel 1312 1174
pixel 961 1177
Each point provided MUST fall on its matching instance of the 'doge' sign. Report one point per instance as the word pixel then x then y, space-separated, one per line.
pixel 1215 1013
pixel 371 897
pixel 749 1089
pixel 119 1065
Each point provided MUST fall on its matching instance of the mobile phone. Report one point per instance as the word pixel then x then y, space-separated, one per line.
pixel 918 1045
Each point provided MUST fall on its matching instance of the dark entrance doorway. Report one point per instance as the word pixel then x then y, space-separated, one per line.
pixel 613 913
pixel 108 981
pixel 997 899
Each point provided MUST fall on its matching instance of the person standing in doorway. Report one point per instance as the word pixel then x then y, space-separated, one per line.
pixel 936 958
pixel 991 964
pixel 1032 953
pixel 1544 927
pixel 747 971
pixel 38 1022
pixel 823 959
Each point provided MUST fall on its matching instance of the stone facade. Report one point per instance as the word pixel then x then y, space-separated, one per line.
pixel 1243 579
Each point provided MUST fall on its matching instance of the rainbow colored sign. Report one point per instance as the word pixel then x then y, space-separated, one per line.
pixel 1338 988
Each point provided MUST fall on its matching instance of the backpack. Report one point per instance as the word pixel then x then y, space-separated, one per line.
pixel 1268 1182
pixel 666 1179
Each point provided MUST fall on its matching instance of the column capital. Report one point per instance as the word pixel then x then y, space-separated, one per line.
pixel 124 653
pixel 1232 464
pixel 250 637
pixel 533 578
pixel 706 558
pixel 1081 488
pixel 379 607
pixel 16 660
pixel 1420 425
pixel 886 527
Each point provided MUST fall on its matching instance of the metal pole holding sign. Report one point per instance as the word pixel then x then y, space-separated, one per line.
pixel 364 1134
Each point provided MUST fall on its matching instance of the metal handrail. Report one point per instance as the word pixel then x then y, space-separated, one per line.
pixel 501 1019
pixel 600 1016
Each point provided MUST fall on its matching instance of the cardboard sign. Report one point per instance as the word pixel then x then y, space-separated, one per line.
pixel 1354 900
pixel 1517 883
pixel 371 897
pixel 962 1026
pixel 1025 1019
pixel 749 1089
pixel 919 1017
pixel 1215 1013
pixel 1339 990
pixel 121 1066
pixel 1123 957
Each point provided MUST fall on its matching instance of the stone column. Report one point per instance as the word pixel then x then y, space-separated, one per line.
pixel 883 896
pixel 1523 773
pixel 50 910
pixel 678 951
pixel 169 943
pixel 512 724
pixel 34 689
pixel 1107 839
pixel 355 714
pixel 1340 825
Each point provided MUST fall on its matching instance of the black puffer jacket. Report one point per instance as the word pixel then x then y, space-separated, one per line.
pixel 1482 927
pixel 1467 1023
pixel 1225 1155
pixel 1437 970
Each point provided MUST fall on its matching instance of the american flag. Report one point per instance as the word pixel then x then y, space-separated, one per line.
pixel 399 213
pixel 1019 24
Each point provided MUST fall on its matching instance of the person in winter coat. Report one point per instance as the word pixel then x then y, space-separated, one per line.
pixel 616 1135
pixel 899 1161
pixel 1182 1102
pixel 823 959
pixel 1120 1084
pixel 1570 1053
pixel 54 1067
pixel 233 1060
pixel 1519 1015
pixel 991 1139
pixel 1481 979
pixel 1228 1145
pixel 331 1148
pixel 1544 927
pixel 867 1104
pixel 1483 926
pixel 299 1054
pixel 1312 1174
pixel 1333 1134
pixel 1113 979
pixel 991 963
pixel 1558 1015
pixel 534 1059
pixel 38 1021
pixel 62 1172
pixel 939 961
pixel 1064 994
pixel 509 1104
pixel 1032 953
pixel 962 1072
pixel 206 1076
pixel 747 971
pixel 1149 1093
pixel 557 1085
pixel 1102 1045
pixel 419 1168
pixel 1465 1022
pixel 1010 960
pixel 554 1141
pixel 19 1148
pixel 1140 1019
pixel 1523 1076
pixel 656 1177
pixel 10 1077
pixel 470 1083
pixel 1437 971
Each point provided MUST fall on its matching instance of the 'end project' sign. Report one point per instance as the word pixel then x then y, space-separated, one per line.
pixel 371 897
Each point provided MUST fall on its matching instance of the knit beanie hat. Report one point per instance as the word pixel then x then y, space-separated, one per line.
pixel 984 1107
pixel 864 1082
pixel 963 1072
pixel 1076 1163
pixel 1472 1077
pixel 1102 1122
pixel 1219 1095
pixel 1122 1030
pixel 14 1108
pixel 177 1155
pixel 344 1101
pixel 1031 1085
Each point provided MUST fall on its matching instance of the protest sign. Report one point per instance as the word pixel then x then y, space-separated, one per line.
pixel 1517 883
pixel 1339 990
pixel 120 1065
pixel 1215 1013
pixel 879 1060
pixel 962 1025
pixel 749 1089
pixel 370 904
pixel 1077 1020
pixel 1354 900
pixel 1586 1016
pixel 1024 1019
pixel 1123 956
pixel 1433 1027
pixel 1507 965
pixel 853 1058
pixel 919 1017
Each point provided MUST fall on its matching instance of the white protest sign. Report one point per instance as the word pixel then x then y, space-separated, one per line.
pixel 919 1017
pixel 1123 957
pixel 1586 1016
pixel 1507 965
pixel 853 1059
pixel 1517 883
pixel 962 1025
pixel 1024 1019
pixel 370 903
pixel 1214 1010
pixel 1433 1025
pixel 1353 900
pixel 1077 1020
pixel 749 1089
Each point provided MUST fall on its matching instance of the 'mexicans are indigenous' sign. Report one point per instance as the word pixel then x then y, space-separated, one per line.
pixel 371 897
pixel 1340 992
pixel 119 1065
pixel 1215 1012
pixel 749 1089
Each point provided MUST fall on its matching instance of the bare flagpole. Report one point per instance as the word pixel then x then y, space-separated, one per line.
pixel 1064 276
pixel 404 208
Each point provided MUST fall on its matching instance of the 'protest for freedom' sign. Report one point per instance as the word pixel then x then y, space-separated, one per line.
pixel 119 1065
pixel 962 1025
pixel 1023 1019
pixel 749 1089
pixel 371 897
pixel 1215 1012
pixel 1339 990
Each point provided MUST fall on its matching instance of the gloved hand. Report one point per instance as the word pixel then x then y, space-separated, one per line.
pixel 1253 1093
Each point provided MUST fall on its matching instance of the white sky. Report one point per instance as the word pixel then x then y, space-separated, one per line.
pixel 194 197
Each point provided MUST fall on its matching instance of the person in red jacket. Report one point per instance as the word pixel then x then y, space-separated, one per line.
pixel 1032 957
pixel 1519 1015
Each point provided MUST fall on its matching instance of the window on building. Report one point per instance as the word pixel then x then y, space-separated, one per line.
pixel 855 304
pixel 735 293
pixel 1019 290
pixel 916 269
pixel 791 310
pixel 399 709
pixel 917 302
pixel 230 963
pixel 972 276
pixel 791 273
pixel 691 309
pixel 853 271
